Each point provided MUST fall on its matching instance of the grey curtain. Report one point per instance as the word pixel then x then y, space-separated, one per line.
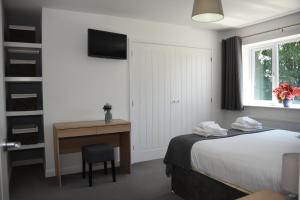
pixel 232 74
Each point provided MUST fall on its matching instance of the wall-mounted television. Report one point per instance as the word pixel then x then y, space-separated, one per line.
pixel 104 44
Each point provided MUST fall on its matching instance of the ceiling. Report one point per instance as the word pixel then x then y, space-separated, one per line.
pixel 238 13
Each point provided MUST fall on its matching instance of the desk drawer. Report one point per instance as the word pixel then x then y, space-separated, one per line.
pixel 74 144
pixel 76 132
pixel 113 129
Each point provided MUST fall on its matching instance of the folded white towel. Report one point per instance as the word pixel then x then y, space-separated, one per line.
pixel 206 124
pixel 209 128
pixel 244 127
pixel 247 121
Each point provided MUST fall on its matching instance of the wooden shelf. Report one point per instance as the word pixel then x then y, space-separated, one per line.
pixel 23 45
pixel 23 113
pixel 28 146
pixel 23 79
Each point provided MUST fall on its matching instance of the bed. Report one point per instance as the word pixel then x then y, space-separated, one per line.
pixel 229 167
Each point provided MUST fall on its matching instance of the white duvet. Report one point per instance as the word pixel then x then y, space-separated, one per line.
pixel 251 161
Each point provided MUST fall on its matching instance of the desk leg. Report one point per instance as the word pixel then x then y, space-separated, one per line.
pixel 57 159
pixel 125 152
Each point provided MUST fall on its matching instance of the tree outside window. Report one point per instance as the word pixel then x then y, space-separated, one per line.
pixel 289 64
pixel 266 66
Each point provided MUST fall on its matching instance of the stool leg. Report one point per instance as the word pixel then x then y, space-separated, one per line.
pixel 90 174
pixel 113 170
pixel 105 167
pixel 83 168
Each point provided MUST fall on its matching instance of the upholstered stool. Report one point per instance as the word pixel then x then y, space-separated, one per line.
pixel 96 153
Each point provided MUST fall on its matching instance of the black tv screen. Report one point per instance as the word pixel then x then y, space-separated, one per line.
pixel 106 44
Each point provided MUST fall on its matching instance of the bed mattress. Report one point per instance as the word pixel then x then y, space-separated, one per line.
pixel 251 161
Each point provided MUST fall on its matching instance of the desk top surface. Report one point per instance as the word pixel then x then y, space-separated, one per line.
pixel 263 195
pixel 86 124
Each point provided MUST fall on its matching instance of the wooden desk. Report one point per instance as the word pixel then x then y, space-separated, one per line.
pixel 263 195
pixel 69 138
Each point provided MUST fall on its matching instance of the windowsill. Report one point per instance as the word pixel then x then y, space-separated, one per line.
pixel 274 106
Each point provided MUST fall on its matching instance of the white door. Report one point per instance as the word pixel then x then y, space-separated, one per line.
pixel 191 89
pixel 170 93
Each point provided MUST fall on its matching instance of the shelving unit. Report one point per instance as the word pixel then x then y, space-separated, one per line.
pixel 23 78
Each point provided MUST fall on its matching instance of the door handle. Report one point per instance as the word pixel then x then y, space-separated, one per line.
pixel 175 101
pixel 9 145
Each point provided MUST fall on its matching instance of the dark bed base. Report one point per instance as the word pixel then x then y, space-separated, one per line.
pixel 191 185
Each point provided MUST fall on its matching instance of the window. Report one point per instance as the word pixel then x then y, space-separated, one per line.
pixel 268 64
pixel 289 64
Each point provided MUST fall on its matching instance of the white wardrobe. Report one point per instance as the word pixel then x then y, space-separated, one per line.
pixel 170 89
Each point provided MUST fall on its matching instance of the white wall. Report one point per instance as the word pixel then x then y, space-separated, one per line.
pixel 275 117
pixel 76 86
pixel 266 26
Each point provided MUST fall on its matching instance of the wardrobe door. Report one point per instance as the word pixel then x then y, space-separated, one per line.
pixel 150 82
pixel 170 94
pixel 191 89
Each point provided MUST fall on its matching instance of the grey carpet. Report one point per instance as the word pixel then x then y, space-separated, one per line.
pixel 146 182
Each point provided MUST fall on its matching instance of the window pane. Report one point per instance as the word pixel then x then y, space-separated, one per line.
pixel 289 64
pixel 263 75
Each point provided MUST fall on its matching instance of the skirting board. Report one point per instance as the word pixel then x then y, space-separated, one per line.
pixel 75 169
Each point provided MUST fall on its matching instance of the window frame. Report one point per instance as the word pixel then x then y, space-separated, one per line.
pixel 249 64
pixel 252 70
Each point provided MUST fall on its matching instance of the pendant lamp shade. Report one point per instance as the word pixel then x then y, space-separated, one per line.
pixel 207 11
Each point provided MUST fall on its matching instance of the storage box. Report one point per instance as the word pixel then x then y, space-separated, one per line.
pixel 24 96
pixel 22 62
pixel 22 33
pixel 26 134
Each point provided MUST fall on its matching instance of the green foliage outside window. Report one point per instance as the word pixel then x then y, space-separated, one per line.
pixel 289 64
pixel 289 69
pixel 263 75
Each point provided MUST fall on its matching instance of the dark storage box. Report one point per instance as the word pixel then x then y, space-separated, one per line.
pixel 25 104
pixel 22 70
pixel 22 34
pixel 24 96
pixel 26 133
pixel 25 138
pixel 23 62
pixel 25 129
pixel 29 154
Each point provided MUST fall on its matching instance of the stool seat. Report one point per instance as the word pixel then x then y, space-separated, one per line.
pixel 96 153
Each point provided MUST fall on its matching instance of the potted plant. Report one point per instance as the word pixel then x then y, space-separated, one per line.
pixel 286 93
